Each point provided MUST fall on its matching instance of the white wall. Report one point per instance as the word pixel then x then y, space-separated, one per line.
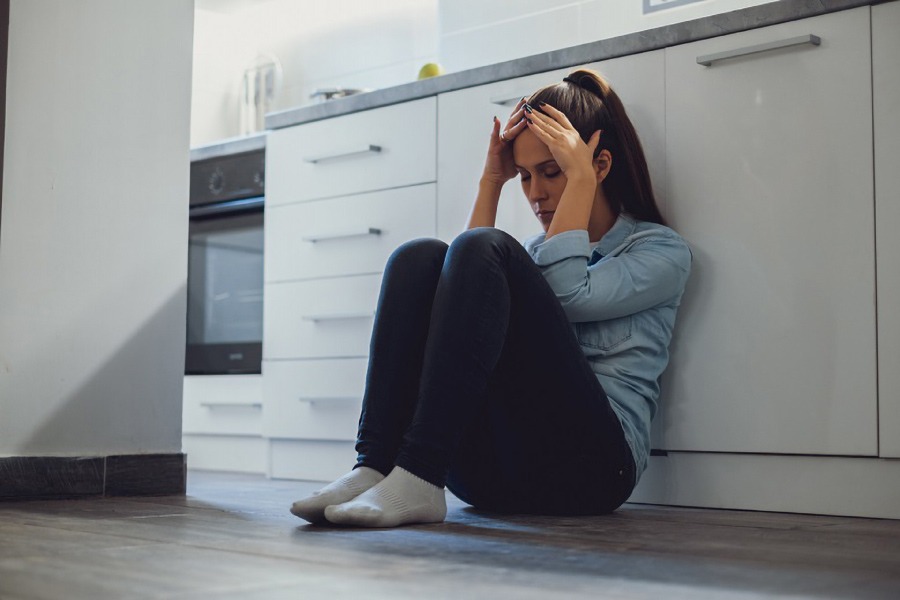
pixel 365 44
pixel 339 43
pixel 93 244
pixel 475 33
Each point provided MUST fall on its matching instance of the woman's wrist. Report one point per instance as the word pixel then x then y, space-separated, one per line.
pixel 490 184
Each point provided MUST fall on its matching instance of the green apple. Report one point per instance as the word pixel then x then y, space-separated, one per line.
pixel 430 70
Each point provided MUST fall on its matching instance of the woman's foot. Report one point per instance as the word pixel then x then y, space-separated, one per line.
pixel 401 499
pixel 341 490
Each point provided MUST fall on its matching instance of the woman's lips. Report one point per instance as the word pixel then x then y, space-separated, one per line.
pixel 545 215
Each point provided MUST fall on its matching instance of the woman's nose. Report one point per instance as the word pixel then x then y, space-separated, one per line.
pixel 536 191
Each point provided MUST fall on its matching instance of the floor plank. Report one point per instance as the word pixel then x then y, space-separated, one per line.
pixel 232 537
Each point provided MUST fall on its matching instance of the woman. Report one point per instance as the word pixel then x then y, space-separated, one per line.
pixel 523 379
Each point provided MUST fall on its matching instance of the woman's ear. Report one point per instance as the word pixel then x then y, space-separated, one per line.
pixel 602 165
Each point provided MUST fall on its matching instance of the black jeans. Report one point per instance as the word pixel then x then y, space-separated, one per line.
pixel 477 382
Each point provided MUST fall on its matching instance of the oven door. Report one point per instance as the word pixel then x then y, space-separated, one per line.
pixel 225 288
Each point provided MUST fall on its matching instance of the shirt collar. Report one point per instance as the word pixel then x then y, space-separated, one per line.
pixel 615 237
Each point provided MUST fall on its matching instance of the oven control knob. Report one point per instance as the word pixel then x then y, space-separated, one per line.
pixel 217 182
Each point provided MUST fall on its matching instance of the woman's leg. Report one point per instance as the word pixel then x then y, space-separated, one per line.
pixel 492 303
pixel 395 365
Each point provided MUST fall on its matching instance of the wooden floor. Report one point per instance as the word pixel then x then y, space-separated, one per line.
pixel 232 537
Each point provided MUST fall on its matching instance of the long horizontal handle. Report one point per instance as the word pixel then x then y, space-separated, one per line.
pixel 223 404
pixel 339 316
pixel 505 100
pixel 341 235
pixel 328 399
pixel 708 59
pixel 370 149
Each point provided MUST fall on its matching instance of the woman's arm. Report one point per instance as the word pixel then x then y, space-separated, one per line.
pixel 484 211
pixel 498 169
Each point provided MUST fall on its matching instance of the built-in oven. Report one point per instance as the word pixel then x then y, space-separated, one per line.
pixel 225 264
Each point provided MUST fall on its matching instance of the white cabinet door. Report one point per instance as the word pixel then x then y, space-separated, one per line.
pixel 886 79
pixel 382 148
pixel 314 399
pixel 770 180
pixel 330 317
pixel 464 127
pixel 345 236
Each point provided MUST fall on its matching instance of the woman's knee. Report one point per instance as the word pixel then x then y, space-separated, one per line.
pixel 483 240
pixel 422 253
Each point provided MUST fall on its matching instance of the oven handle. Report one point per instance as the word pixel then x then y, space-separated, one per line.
pixel 232 206
pixel 341 235
pixel 228 404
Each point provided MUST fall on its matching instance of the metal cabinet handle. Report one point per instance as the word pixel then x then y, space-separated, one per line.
pixel 339 316
pixel 371 148
pixel 341 235
pixel 224 404
pixel 313 400
pixel 708 59
pixel 505 100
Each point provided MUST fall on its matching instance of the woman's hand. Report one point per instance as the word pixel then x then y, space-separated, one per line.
pixel 574 157
pixel 499 166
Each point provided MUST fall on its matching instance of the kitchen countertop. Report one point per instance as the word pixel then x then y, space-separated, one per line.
pixel 634 43
pixel 236 145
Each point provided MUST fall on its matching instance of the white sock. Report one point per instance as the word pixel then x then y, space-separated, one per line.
pixel 401 499
pixel 341 490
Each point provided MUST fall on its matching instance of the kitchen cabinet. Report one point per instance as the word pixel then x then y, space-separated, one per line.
pixel 886 82
pixel 388 147
pixel 464 127
pixel 341 195
pixel 769 175
pixel 222 423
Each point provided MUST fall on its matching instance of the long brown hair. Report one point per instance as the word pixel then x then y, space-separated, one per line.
pixel 590 104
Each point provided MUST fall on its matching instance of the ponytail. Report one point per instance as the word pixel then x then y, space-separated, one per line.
pixel 590 104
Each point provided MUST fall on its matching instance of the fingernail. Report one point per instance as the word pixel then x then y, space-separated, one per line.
pixel 541 103
pixel 530 121
pixel 528 109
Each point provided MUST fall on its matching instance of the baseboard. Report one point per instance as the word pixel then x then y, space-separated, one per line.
pixel 35 477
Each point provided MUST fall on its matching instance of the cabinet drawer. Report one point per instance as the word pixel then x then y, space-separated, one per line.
pixel 222 404
pixel 313 399
pixel 345 236
pixel 371 150
pixel 320 318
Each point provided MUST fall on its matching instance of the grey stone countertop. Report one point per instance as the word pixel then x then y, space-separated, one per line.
pixel 236 145
pixel 634 43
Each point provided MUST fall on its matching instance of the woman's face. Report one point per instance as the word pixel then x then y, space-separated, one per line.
pixel 542 180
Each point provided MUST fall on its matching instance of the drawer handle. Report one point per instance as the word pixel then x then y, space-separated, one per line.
pixel 224 404
pixel 341 235
pixel 370 149
pixel 708 59
pixel 339 316
pixel 325 400
pixel 505 100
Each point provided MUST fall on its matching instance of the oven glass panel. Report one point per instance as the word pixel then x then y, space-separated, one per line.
pixel 225 285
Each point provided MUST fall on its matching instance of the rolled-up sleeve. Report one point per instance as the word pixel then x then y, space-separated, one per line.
pixel 651 270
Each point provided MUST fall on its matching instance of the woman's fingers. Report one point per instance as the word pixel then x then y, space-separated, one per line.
pixel 559 116
pixel 511 132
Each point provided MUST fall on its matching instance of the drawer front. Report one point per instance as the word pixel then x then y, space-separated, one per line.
pixel 320 318
pixel 371 150
pixel 313 399
pixel 222 404
pixel 345 236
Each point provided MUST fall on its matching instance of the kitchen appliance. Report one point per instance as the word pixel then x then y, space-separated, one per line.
pixel 225 265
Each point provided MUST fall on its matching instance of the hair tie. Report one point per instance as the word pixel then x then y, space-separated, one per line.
pixel 572 81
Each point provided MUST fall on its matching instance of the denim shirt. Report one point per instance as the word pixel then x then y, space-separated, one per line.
pixel 621 299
